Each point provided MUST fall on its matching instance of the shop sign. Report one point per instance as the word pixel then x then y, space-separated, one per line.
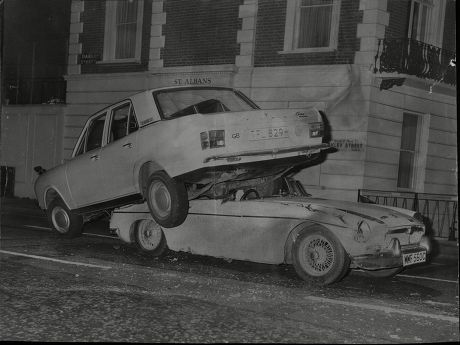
pixel 348 144
pixel 88 58
pixel 193 81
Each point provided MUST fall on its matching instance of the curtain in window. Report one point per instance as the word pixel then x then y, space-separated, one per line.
pixel 314 23
pixel 407 153
pixel 126 25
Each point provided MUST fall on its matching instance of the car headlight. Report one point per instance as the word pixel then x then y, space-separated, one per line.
pixel 426 243
pixel 363 232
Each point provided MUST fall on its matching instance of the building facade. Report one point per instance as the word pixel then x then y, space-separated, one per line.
pixel 380 69
pixel 383 71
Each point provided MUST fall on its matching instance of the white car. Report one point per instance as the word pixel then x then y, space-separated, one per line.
pixel 168 146
pixel 277 222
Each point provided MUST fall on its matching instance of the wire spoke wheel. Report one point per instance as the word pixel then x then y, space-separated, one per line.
pixel 318 255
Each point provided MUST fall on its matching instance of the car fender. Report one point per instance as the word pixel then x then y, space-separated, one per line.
pixel 290 240
pixel 47 199
pixel 53 181
pixel 142 170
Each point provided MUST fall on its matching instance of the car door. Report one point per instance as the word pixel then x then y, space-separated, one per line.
pixel 84 171
pixel 118 156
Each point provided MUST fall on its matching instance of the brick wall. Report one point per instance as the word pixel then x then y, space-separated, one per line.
pixel 92 39
pixel 399 18
pixel 270 37
pixel 200 32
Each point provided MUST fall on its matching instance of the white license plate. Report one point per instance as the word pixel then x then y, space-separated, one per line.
pixel 268 133
pixel 414 258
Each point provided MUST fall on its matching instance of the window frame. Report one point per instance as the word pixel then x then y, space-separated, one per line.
pixel 434 22
pixel 417 178
pixel 131 113
pixel 110 33
pixel 292 29
pixel 82 139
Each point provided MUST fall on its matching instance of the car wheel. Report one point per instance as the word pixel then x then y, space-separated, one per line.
pixel 385 273
pixel 318 256
pixel 167 200
pixel 149 237
pixel 64 221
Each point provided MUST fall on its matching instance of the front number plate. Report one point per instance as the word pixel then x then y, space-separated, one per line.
pixel 414 258
pixel 268 133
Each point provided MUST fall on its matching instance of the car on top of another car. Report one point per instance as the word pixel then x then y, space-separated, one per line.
pixel 170 145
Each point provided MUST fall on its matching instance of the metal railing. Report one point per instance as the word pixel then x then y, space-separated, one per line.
pixel 412 57
pixel 35 91
pixel 440 212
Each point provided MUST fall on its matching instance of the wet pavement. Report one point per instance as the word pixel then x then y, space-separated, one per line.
pixel 96 288
pixel 99 289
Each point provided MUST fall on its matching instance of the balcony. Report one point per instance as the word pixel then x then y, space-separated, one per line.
pixel 410 57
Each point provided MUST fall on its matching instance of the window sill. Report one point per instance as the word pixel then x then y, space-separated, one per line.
pixel 308 50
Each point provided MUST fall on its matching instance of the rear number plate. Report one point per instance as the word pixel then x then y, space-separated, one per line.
pixel 268 133
pixel 414 258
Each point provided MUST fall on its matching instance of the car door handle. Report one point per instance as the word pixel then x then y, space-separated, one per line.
pixel 128 145
pixel 95 157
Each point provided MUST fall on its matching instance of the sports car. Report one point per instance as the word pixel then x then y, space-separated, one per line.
pixel 276 221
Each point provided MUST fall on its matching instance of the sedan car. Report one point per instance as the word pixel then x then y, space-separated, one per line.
pixel 277 222
pixel 170 145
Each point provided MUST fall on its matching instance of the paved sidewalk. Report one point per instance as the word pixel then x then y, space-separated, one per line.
pixel 23 207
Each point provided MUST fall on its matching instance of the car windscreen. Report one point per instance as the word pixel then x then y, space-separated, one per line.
pixel 181 102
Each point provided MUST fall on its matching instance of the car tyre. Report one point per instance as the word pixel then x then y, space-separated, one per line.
pixel 385 273
pixel 319 257
pixel 65 222
pixel 149 237
pixel 167 200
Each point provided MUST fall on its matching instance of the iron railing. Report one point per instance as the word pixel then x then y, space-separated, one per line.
pixel 35 91
pixel 440 212
pixel 412 57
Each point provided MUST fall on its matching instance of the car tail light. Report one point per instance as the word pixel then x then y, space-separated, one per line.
pixel 316 129
pixel 212 139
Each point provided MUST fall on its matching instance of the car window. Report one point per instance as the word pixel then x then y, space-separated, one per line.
pixel 95 133
pixel 119 122
pixel 133 125
pixel 181 102
pixel 81 146
pixel 123 122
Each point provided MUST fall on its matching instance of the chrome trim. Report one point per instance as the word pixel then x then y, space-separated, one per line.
pixel 267 152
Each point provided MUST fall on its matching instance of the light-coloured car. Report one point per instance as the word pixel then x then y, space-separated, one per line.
pixel 277 222
pixel 168 146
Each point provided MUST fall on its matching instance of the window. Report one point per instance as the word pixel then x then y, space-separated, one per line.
pixel 311 25
pixel 123 30
pixel 95 133
pixel 413 151
pixel 121 117
pixel 81 146
pixel 426 21
pixel 181 102
pixel 419 19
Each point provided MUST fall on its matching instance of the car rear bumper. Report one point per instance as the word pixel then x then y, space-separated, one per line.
pixel 308 149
